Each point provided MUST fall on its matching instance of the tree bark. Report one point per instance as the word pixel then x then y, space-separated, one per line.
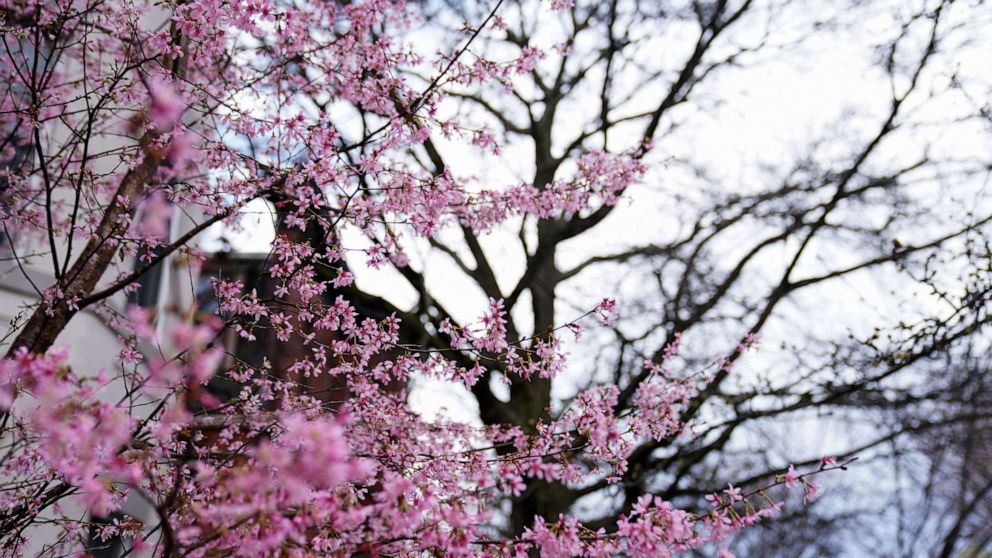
pixel 45 324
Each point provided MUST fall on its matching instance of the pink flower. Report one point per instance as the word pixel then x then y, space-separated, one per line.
pixel 180 149
pixel 166 104
pixel 607 311
pixel 811 492
pixel 791 477
pixel 733 493
pixel 156 213
pixel 749 342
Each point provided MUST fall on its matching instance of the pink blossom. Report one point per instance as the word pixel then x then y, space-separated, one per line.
pixel 607 310
pixel 156 215
pixel 791 477
pixel 166 105
pixel 733 493
pixel 181 149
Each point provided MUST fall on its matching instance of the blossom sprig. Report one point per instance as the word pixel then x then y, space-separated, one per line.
pixel 539 355
pixel 654 527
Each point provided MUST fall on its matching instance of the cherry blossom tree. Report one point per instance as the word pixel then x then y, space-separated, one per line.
pixel 131 127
